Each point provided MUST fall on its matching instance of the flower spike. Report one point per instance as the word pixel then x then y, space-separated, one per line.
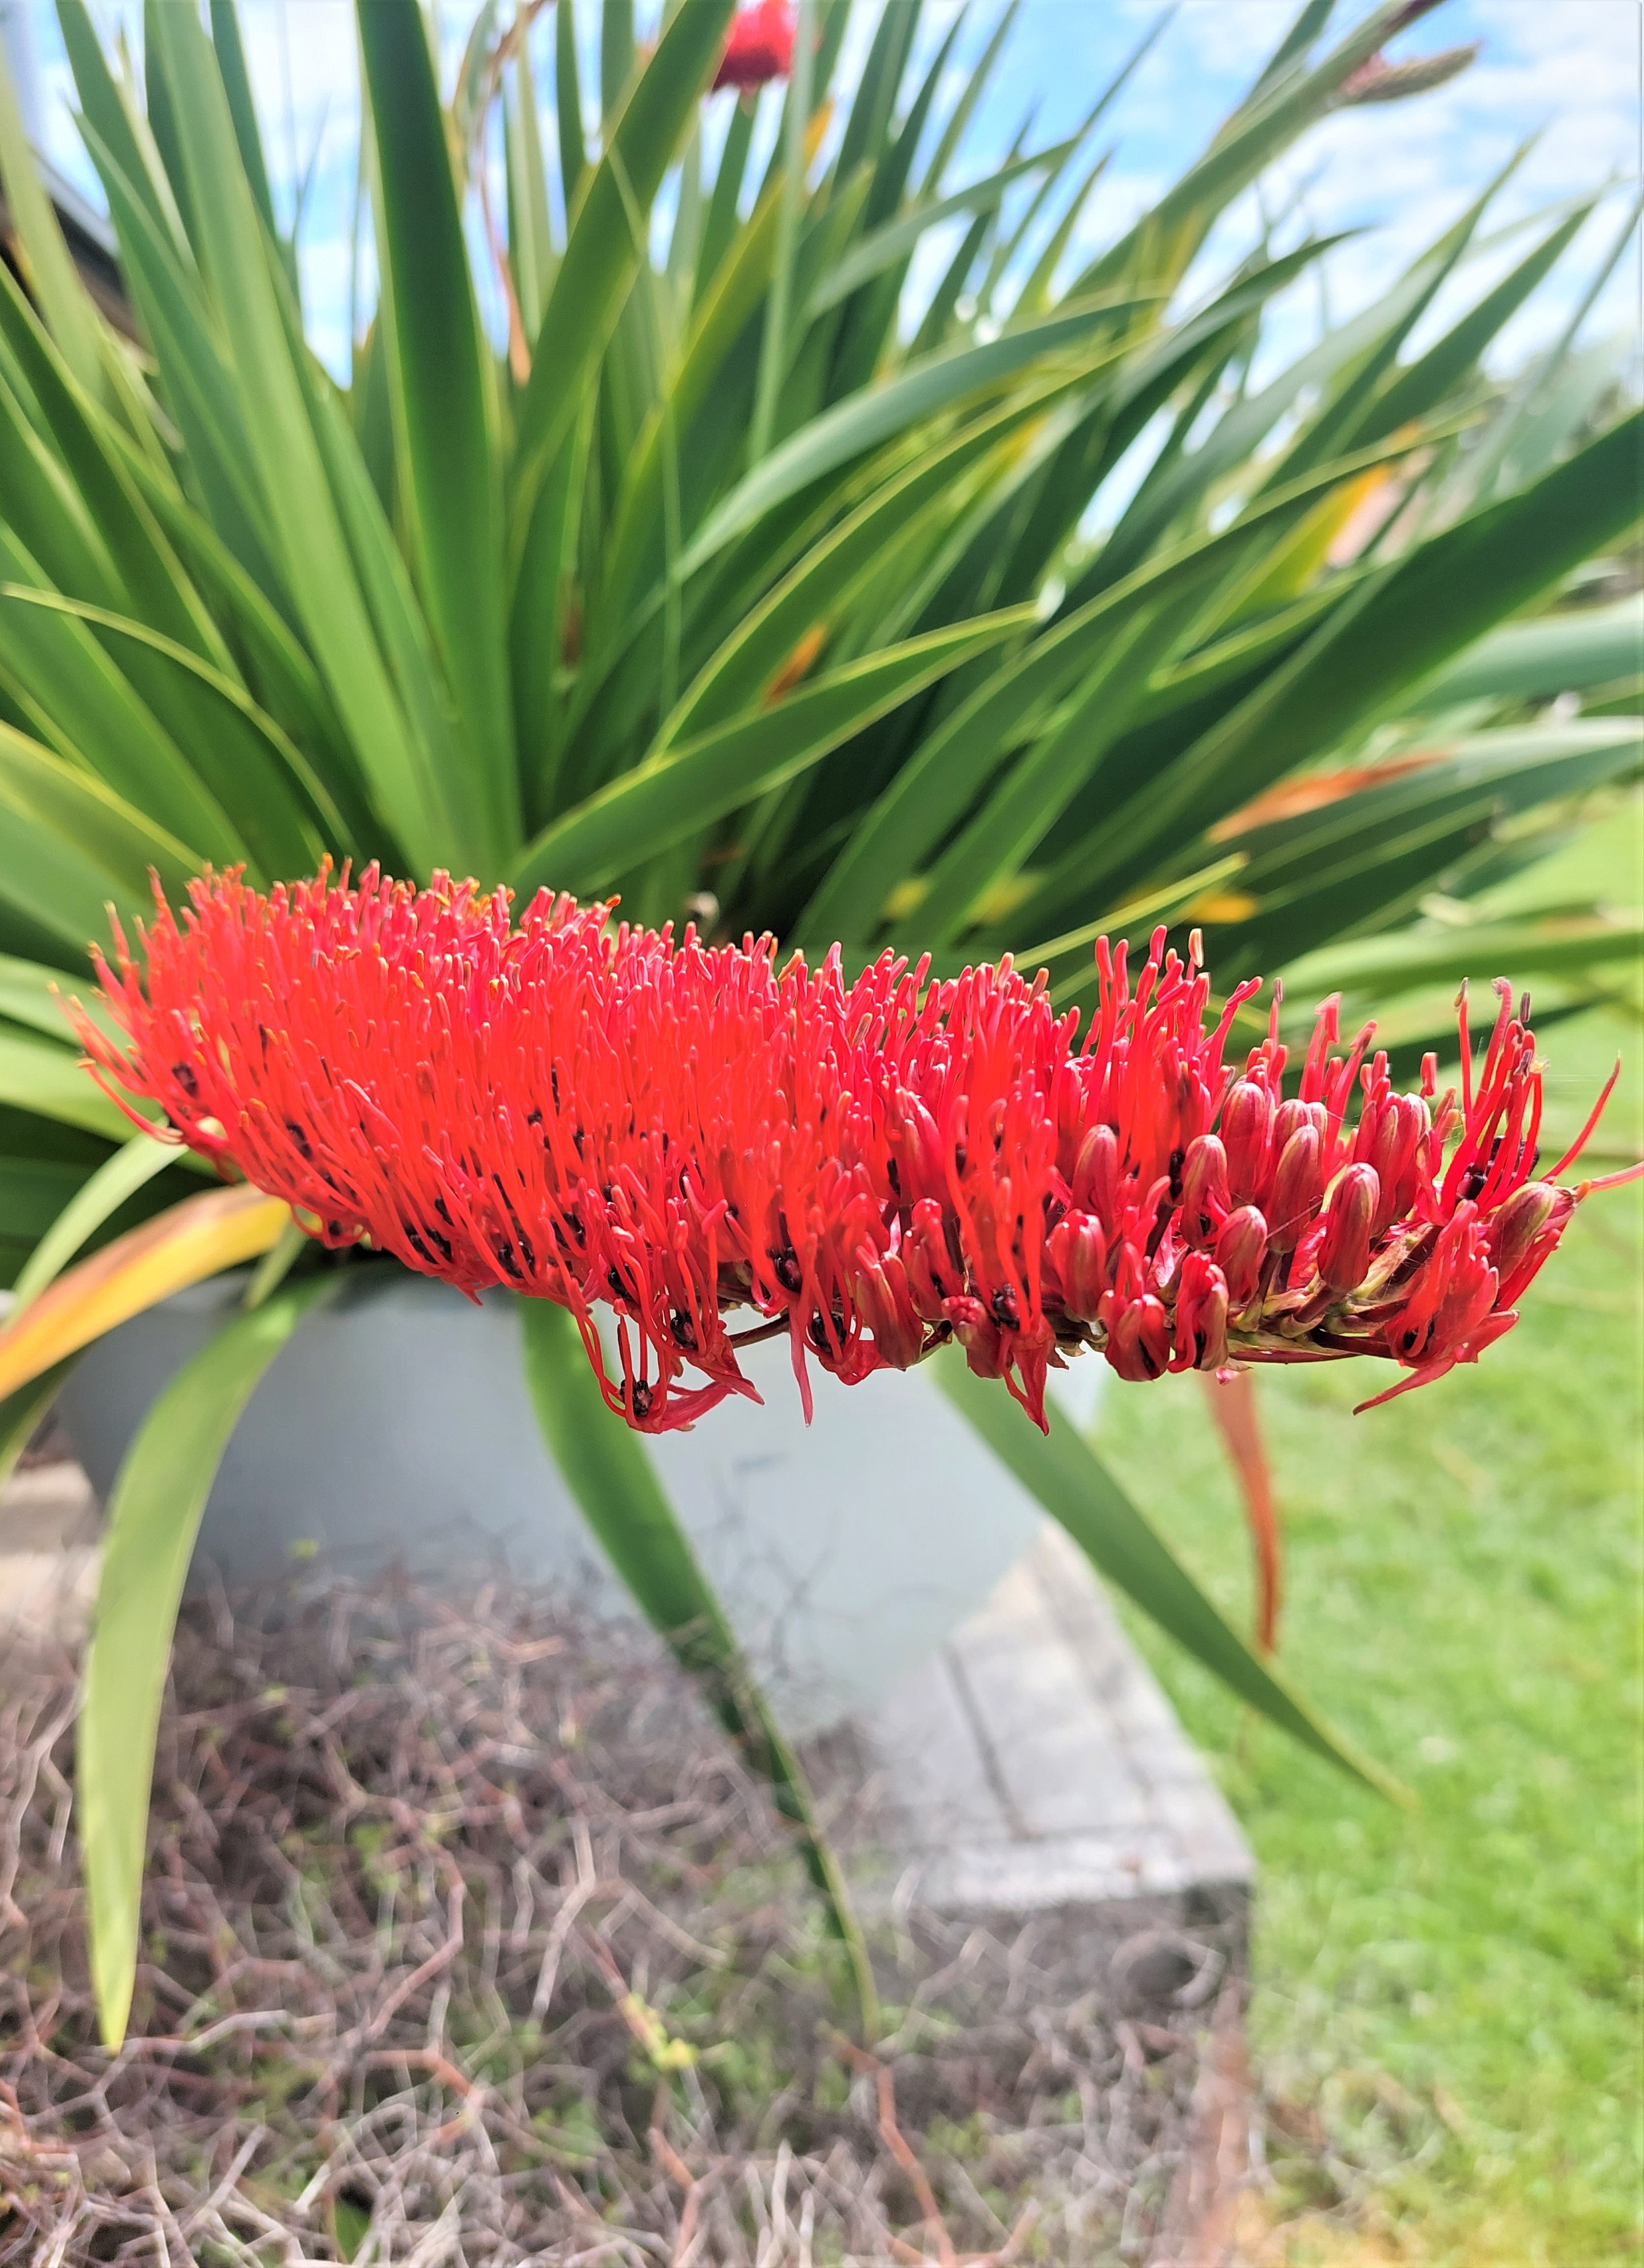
pixel 607 1116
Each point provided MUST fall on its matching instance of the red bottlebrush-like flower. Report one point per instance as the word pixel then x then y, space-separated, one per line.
pixel 603 1116
pixel 758 47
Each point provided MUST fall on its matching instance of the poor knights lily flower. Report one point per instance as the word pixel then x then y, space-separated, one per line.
pixel 603 1116
pixel 758 47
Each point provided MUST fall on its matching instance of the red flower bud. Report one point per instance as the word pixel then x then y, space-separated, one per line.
pixel 758 47
pixel 1201 1315
pixel 979 1335
pixel 1295 1194
pixel 1528 1213
pixel 1453 1293
pixel 1376 1138
pixel 1344 1258
pixel 1204 1189
pixel 1289 1116
pixel 1138 1337
pixel 881 1286
pixel 1247 1129
pixel 1095 1186
pixel 932 1278
pixel 1400 1170
pixel 1468 1300
pixel 1241 1249
pixel 1077 1253
pixel 916 1149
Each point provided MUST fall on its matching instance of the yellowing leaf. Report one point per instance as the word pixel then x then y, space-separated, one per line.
pixel 194 1240
pixel 1224 906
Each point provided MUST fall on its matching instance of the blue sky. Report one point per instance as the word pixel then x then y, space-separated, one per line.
pixel 1568 71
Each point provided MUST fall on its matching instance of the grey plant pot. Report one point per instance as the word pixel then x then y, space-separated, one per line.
pixel 396 1430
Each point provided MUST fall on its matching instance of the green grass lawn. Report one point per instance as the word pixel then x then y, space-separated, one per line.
pixel 1445 2010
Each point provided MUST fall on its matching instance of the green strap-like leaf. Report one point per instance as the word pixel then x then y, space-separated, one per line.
pixel 1531 947
pixel 28 996
pixel 267 784
pixel 573 154
pixel 1393 632
pixel 872 254
pixel 63 299
pixel 530 228
pixel 1433 375
pixel 775 346
pixel 723 314
pixel 230 60
pixel 608 1473
pixel 1064 1474
pixel 47 1080
pixel 662 802
pixel 762 640
pixel 1162 243
pixel 607 243
pixel 90 449
pixel 70 849
pixel 154 1513
pixel 1561 653
pixel 880 413
pixel 106 112
pixel 274 389
pixel 449 476
pixel 133 1166
pixel 720 229
pixel 21 1412
pixel 941 777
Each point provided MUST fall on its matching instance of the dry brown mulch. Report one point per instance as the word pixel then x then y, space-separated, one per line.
pixel 466 1940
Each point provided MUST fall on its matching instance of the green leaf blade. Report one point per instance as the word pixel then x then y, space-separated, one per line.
pixel 450 476
pixel 154 1513
pixel 1067 1477
pixel 625 1506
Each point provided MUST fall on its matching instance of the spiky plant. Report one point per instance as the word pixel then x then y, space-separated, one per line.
pixel 725 577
